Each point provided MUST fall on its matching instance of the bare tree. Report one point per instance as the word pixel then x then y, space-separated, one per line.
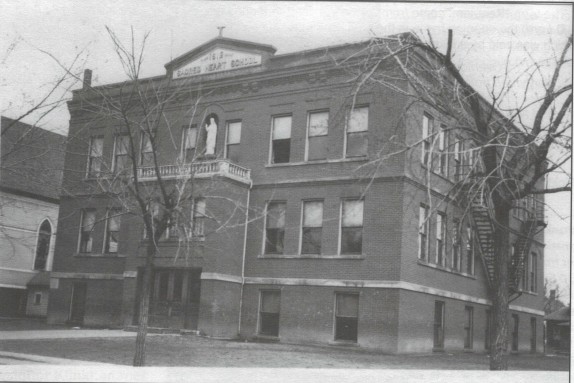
pixel 504 156
pixel 146 116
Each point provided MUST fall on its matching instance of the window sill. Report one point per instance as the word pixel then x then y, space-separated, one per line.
pixel 445 269
pixel 310 256
pixel 317 162
pixel 175 241
pixel 528 293
pixel 443 176
pixel 99 255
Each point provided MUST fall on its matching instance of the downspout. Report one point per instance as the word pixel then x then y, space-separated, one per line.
pixel 243 260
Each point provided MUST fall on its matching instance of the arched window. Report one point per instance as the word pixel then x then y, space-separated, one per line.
pixel 43 245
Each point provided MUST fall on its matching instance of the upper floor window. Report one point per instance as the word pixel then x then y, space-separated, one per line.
pixel 533 271
pixel 357 132
pixel 457 159
pixel 352 227
pixel 199 217
pixel 312 227
pixel 456 245
pixel 96 156
pixel 146 152
pixel 427 139
pixel 43 246
pixel 233 140
pixel 189 142
pixel 274 227
pixel 423 232
pixel 442 167
pixel 121 153
pixel 317 134
pixel 112 231
pixel 88 220
pixel 469 250
pixel 440 238
pixel 281 140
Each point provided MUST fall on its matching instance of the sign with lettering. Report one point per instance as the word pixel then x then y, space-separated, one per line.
pixel 218 60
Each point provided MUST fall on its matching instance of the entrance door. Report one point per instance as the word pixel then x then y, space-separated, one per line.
pixel 78 304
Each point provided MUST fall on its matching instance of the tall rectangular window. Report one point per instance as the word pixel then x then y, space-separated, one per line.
pixel 427 139
pixel 468 326
pixel 275 228
pixel 358 132
pixel 281 139
pixel 469 250
pixel 438 333
pixel 515 323
pixel 269 309
pixel 199 217
pixel 112 231
pixel 440 238
pixel 312 227
pixel 146 151
pixel 443 153
pixel 86 230
pixel 423 232
pixel 533 271
pixel 317 136
pixel 189 142
pixel 457 159
pixel 456 245
pixel 346 317
pixel 525 270
pixel 96 156
pixel 121 153
pixel 352 227
pixel 233 140
pixel 488 330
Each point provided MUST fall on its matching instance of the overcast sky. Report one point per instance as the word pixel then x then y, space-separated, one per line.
pixel 66 28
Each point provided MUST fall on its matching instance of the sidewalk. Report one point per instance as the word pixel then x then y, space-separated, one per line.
pixel 65 333
pixel 12 358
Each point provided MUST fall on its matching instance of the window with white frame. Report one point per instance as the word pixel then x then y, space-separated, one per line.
pixel 199 217
pixel 189 142
pixel 533 271
pixel 457 160
pixel 352 226
pixel 96 154
pixel 427 136
pixel 112 231
pixel 233 140
pixel 312 227
pixel 121 153
pixel 443 152
pixel 456 261
pixel 37 298
pixel 275 228
pixel 440 238
pixel 281 139
pixel 88 221
pixel 357 140
pixel 317 135
pixel 469 250
pixel 146 150
pixel 423 232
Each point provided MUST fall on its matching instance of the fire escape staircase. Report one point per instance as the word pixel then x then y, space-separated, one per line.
pixel 482 220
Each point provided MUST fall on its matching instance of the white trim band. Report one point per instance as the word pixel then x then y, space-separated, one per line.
pixel 13 286
pixel 86 275
pixel 221 277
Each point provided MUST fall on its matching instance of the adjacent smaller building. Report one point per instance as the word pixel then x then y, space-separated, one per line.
pixel 31 164
pixel 558 331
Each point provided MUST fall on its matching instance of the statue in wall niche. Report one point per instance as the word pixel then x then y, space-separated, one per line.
pixel 211 132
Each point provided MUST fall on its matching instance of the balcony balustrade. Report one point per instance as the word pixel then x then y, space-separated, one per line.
pixel 200 169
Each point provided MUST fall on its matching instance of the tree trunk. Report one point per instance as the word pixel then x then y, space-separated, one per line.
pixel 139 356
pixel 499 289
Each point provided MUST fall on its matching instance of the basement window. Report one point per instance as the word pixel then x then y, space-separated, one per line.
pixel 269 307
pixel 346 317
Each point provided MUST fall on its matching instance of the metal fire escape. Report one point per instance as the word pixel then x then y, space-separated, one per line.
pixel 482 220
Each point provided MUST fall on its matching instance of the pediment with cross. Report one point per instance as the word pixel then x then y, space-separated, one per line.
pixel 219 55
